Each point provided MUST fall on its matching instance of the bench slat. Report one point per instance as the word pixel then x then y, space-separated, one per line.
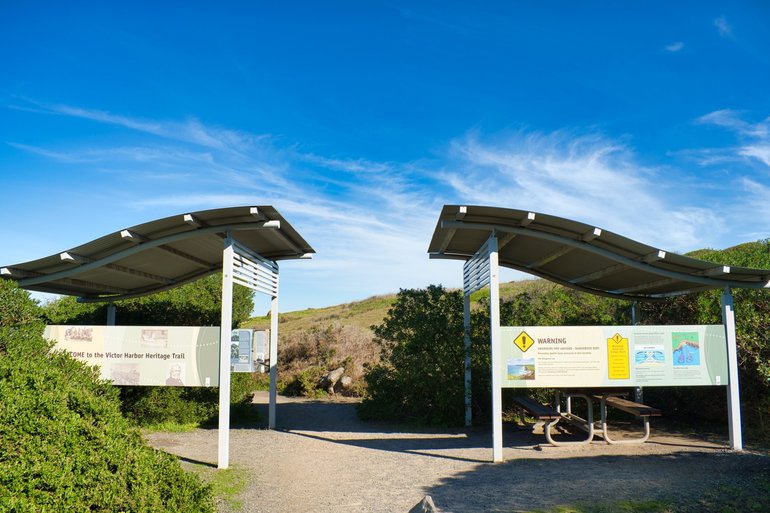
pixel 640 410
pixel 539 411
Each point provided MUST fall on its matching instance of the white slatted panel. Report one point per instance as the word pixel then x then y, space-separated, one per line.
pixel 476 271
pixel 254 271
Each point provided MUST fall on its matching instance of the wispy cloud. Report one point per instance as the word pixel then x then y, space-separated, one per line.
pixel 583 177
pixel 760 152
pixel 51 154
pixel 723 27
pixel 754 137
pixel 675 47
pixel 127 154
pixel 731 119
pixel 190 130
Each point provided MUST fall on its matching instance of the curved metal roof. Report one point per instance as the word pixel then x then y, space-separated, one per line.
pixel 160 254
pixel 581 256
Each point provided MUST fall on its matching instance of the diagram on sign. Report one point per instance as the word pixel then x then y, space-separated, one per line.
pixel 649 355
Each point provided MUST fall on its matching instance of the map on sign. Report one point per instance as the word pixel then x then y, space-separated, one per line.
pixel 615 356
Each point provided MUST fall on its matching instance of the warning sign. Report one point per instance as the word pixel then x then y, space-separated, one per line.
pixel 617 358
pixel 612 356
pixel 523 341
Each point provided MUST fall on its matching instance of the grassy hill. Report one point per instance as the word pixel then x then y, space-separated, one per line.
pixel 362 314
pixel 317 340
pixel 368 312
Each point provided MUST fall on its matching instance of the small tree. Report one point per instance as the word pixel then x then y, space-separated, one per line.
pixel 420 375
pixel 16 307
pixel 194 304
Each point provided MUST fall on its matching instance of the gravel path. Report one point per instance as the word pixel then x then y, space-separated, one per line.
pixel 323 459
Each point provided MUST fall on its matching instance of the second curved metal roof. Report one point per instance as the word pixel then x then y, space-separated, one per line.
pixel 582 256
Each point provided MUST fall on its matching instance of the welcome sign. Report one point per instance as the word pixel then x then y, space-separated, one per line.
pixel 144 355
pixel 613 356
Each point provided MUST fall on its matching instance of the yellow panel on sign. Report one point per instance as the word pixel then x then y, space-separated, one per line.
pixel 617 358
pixel 523 341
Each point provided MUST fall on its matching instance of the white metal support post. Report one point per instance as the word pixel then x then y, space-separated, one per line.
pixel 223 460
pixel 494 318
pixel 638 391
pixel 467 349
pixel 256 272
pixel 273 358
pixel 479 271
pixel 733 395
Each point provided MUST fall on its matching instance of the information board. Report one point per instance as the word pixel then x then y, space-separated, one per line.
pixel 613 356
pixel 144 355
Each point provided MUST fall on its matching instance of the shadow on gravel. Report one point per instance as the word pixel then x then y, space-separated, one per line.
pixel 526 484
pixel 433 447
pixel 197 462
pixel 308 415
pixel 338 423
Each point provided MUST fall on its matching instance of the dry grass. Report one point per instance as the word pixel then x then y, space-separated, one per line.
pixel 318 340
pixel 322 339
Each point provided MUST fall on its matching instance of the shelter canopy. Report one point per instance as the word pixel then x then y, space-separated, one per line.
pixel 581 256
pixel 160 254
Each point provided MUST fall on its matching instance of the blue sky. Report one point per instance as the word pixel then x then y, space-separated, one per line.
pixel 359 120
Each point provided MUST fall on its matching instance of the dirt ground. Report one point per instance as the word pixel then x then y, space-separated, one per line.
pixel 323 459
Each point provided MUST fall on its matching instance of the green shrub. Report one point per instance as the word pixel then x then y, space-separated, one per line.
pixel 16 307
pixel 752 323
pixel 64 445
pixel 194 304
pixel 305 383
pixel 420 376
pixel 151 406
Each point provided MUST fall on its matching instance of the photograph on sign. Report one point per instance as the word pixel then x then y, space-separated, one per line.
pixel 144 355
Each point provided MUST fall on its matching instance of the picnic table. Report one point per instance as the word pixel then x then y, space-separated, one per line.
pixel 551 415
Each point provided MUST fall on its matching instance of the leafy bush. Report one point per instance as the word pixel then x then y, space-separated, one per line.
pixel 194 304
pixel 752 319
pixel 16 307
pixel 64 445
pixel 305 383
pixel 151 406
pixel 420 375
